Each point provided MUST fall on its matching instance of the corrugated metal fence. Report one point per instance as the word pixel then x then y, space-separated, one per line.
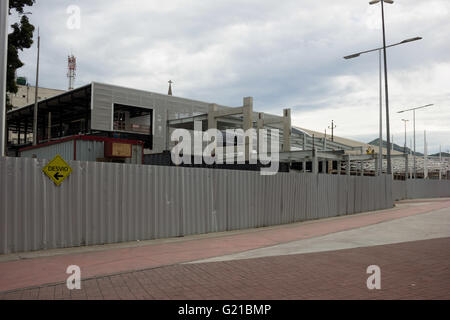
pixel 109 203
pixel 420 189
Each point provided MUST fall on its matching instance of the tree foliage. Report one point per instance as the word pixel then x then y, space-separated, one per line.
pixel 20 38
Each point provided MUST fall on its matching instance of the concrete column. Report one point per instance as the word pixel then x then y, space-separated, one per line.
pixel 315 163
pixel 212 124
pixel 248 124
pixel 260 126
pixel 167 131
pixel 198 142
pixel 339 166
pixel 362 167
pixel 287 130
pixel 347 171
pixel 304 166
pixel 212 120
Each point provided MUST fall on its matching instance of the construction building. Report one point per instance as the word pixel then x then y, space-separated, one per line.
pixel 145 118
pixel 26 94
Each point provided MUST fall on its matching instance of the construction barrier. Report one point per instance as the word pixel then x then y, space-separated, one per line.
pixel 103 203
pixel 420 189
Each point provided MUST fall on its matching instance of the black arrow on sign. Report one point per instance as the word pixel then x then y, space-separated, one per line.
pixel 57 176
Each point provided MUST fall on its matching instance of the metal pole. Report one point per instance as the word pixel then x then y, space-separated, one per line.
pixel 4 12
pixel 410 153
pixel 425 156
pixel 35 111
pixel 380 160
pixel 388 131
pixel 405 134
pixel 404 151
pixel 49 128
pixel 332 130
pixel 415 168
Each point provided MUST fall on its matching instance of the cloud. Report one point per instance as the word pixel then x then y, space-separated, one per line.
pixel 283 53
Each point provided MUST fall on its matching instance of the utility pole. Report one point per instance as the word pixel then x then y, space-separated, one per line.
pixel 332 130
pixel 170 88
pixel 4 12
pixel 35 111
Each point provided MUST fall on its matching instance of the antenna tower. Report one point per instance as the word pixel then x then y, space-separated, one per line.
pixel 72 67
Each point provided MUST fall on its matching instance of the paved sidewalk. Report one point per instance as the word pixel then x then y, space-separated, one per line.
pixel 432 225
pixel 413 270
pixel 25 273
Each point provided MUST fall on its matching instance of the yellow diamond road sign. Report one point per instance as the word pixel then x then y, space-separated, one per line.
pixel 57 170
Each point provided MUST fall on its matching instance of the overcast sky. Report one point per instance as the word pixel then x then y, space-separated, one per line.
pixel 283 53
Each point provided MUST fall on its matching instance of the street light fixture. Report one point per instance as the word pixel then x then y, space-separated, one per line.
pixel 414 125
pixel 355 55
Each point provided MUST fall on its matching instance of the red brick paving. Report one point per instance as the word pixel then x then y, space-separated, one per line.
pixel 39 271
pixel 413 270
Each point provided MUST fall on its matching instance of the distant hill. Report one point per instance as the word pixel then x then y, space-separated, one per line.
pixel 444 154
pixel 396 147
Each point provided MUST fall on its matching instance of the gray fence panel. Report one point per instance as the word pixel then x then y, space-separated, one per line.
pixel 351 195
pixel 220 199
pixel 342 194
pixel 197 192
pixel 416 189
pixel 399 190
pixel 273 199
pixel 289 198
pixel 108 203
pixel 300 199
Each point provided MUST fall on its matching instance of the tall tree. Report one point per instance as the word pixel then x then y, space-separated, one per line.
pixel 19 39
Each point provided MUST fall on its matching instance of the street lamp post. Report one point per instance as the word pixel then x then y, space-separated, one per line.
pixel 404 151
pixel 414 125
pixel 388 130
pixel 355 55
pixel 36 102
pixel 4 12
